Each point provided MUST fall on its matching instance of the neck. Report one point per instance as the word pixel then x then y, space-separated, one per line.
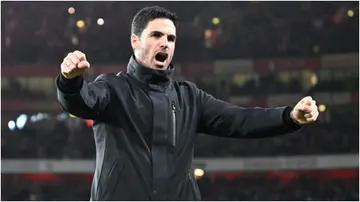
pixel 148 66
pixel 148 74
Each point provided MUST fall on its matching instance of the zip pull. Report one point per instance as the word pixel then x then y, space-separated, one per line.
pixel 173 124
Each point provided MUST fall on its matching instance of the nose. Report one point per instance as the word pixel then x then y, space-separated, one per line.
pixel 164 42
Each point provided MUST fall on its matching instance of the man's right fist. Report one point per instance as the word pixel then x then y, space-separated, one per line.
pixel 74 64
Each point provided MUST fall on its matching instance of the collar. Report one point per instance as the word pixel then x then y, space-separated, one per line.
pixel 148 75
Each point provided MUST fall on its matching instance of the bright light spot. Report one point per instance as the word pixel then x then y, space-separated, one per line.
pixel 74 40
pixel 88 122
pixel 33 118
pixel 100 21
pixel 20 121
pixel 215 21
pixel 350 13
pixel 199 172
pixel 11 125
pixel 72 116
pixel 209 34
pixel 80 24
pixel 61 116
pixel 71 10
pixel 40 116
pixel 314 79
pixel 322 108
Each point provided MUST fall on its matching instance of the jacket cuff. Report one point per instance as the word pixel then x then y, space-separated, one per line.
pixel 69 86
pixel 289 122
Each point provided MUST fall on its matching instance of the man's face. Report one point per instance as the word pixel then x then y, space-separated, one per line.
pixel 156 45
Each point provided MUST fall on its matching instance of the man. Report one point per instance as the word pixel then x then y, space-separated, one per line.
pixel 145 123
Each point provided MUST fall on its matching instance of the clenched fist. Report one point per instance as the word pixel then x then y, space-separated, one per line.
pixel 74 64
pixel 305 111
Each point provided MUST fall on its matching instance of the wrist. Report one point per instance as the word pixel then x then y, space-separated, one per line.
pixel 292 117
pixel 69 86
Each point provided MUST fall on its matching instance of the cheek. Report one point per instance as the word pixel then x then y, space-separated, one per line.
pixel 148 48
pixel 172 49
pixel 145 51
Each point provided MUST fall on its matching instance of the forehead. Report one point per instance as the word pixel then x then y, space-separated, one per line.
pixel 163 25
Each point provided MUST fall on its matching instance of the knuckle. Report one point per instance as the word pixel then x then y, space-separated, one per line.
pixel 74 59
pixel 79 53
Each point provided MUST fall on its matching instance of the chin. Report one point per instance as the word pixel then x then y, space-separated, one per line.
pixel 160 67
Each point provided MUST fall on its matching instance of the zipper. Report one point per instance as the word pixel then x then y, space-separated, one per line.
pixel 173 124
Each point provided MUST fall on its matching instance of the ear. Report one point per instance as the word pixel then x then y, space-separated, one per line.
pixel 134 41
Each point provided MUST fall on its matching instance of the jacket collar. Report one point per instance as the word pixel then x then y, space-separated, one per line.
pixel 147 75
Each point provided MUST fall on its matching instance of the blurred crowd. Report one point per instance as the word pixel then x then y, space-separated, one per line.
pixel 62 140
pixel 223 88
pixel 72 138
pixel 318 139
pixel 43 32
pixel 19 189
pixel 264 188
pixel 253 187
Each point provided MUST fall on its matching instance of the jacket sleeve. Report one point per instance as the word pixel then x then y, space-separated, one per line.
pixel 223 119
pixel 82 99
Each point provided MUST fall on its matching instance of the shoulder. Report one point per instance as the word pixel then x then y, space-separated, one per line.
pixel 111 78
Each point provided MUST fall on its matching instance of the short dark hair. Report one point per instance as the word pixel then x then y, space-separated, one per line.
pixel 147 14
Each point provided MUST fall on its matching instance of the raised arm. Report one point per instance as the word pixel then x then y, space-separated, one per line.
pixel 76 96
pixel 227 120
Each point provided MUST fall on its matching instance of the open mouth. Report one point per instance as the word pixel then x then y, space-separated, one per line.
pixel 161 57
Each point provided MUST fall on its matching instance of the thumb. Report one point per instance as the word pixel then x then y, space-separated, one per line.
pixel 83 65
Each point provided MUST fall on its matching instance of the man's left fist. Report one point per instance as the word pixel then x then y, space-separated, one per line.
pixel 305 111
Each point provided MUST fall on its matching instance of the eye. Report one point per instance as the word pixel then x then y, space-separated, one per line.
pixel 156 34
pixel 171 38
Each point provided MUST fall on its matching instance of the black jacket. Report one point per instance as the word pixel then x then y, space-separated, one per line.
pixel 145 124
